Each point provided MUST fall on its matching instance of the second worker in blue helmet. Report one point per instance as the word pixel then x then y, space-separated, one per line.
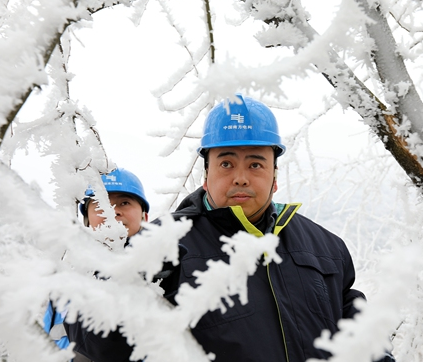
pixel 290 303
pixel 126 193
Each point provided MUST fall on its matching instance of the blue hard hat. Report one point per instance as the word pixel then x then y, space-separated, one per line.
pixel 250 123
pixel 120 180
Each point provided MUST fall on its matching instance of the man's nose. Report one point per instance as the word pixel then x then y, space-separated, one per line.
pixel 241 178
pixel 118 211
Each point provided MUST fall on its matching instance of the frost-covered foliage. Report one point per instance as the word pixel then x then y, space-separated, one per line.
pixel 57 259
pixel 274 50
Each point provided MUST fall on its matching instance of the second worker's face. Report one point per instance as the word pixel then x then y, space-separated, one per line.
pixel 127 210
pixel 241 176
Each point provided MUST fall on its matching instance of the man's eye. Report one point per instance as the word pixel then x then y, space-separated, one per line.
pixel 255 165
pixel 226 164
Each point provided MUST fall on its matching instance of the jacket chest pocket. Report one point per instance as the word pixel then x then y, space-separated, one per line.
pixel 216 317
pixel 322 285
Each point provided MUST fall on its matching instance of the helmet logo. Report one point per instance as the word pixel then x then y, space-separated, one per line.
pixel 240 123
pixel 111 181
pixel 246 122
pixel 237 117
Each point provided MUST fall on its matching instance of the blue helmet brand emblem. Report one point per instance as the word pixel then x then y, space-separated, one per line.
pixel 244 123
pixel 237 117
pixel 112 178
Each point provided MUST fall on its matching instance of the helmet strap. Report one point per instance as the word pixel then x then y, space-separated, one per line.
pixel 269 198
pixel 261 208
pixel 86 221
pixel 206 159
pixel 210 199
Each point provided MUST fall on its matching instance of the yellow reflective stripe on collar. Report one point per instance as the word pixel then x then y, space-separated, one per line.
pixel 239 213
pixel 285 217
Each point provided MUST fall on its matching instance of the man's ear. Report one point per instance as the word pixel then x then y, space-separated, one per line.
pixel 205 181
pixel 275 180
pixel 144 216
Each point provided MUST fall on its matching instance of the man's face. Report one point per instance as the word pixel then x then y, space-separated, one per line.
pixel 127 209
pixel 241 176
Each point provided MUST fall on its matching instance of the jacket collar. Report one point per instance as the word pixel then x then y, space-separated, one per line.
pixel 225 219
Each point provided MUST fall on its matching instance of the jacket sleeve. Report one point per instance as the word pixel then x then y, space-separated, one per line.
pixel 112 348
pixel 348 293
pixel 348 308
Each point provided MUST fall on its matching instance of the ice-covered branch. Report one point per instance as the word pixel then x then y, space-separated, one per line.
pixel 350 90
pixel 23 69
pixel 57 259
pixel 32 247
pixel 223 280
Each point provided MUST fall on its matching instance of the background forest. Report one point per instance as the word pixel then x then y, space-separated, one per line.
pixel 87 85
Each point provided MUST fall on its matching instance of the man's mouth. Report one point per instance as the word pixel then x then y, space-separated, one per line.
pixel 241 197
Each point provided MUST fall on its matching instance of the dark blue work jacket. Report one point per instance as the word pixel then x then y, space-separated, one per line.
pixel 289 303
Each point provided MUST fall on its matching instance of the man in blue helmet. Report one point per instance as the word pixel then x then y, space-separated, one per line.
pixel 289 304
pixel 126 193
pixel 131 207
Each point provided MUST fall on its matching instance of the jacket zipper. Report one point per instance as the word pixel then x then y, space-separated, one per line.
pixel 279 313
pixel 283 219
